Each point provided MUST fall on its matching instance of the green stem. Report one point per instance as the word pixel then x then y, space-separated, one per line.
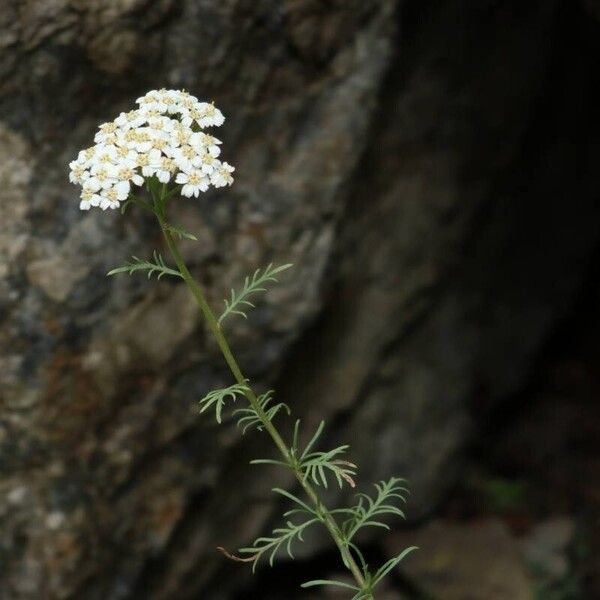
pixel 213 324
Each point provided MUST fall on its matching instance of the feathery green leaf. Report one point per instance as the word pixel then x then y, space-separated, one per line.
pixel 238 301
pixel 152 268
pixel 305 508
pixel 249 418
pixel 368 510
pixel 329 582
pixel 391 564
pixel 179 232
pixel 280 537
pixel 318 466
pixel 217 398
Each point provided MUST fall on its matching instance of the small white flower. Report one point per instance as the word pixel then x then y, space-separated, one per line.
pixel 160 124
pixel 160 143
pixel 126 155
pixel 222 177
pixel 186 158
pixel 210 115
pixel 181 137
pixel 152 110
pixel 85 156
pixel 122 189
pixel 171 102
pixel 201 140
pixel 187 102
pixel 147 97
pixel 143 140
pixel 126 173
pixel 78 173
pixel 111 198
pixel 143 162
pixel 164 168
pixel 101 178
pixel 106 131
pixel 209 163
pixel 85 203
pixel 104 155
pixel 130 120
pixel 193 182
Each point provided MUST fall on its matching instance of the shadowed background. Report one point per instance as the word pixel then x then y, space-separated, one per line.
pixel 430 168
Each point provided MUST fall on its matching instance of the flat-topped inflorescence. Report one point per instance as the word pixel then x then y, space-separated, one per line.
pixel 162 138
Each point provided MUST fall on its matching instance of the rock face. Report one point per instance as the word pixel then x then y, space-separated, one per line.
pixel 480 561
pixel 425 165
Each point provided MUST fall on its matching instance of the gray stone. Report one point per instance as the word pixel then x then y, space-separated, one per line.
pixel 478 561
pixel 399 154
pixel 546 547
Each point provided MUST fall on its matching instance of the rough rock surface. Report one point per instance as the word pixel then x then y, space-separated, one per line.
pixel 421 163
pixel 480 561
pixel 546 548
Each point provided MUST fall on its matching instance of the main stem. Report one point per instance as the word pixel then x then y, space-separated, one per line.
pixel 213 324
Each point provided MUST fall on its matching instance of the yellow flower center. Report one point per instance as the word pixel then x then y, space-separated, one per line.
pixel 108 127
pixel 194 179
pixel 168 164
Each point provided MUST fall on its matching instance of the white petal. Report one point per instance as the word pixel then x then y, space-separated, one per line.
pixel 122 188
pixel 163 176
pixel 92 184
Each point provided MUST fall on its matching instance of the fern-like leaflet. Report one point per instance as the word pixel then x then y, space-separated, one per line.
pixel 368 509
pixel 317 465
pixel 370 581
pixel 152 267
pixel 360 594
pixel 282 536
pixel 249 418
pixel 389 565
pixel 218 398
pixel 179 232
pixel 238 301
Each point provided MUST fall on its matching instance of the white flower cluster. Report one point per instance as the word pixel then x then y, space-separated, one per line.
pixel 162 138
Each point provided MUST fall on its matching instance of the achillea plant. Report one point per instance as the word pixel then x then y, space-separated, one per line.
pixel 148 156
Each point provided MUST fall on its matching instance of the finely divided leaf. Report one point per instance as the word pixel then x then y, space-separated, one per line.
pixel 329 582
pixel 238 301
pixel 249 418
pixel 319 466
pixel 369 509
pixel 217 398
pixel 179 232
pixel 281 537
pixel 391 564
pixel 152 267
